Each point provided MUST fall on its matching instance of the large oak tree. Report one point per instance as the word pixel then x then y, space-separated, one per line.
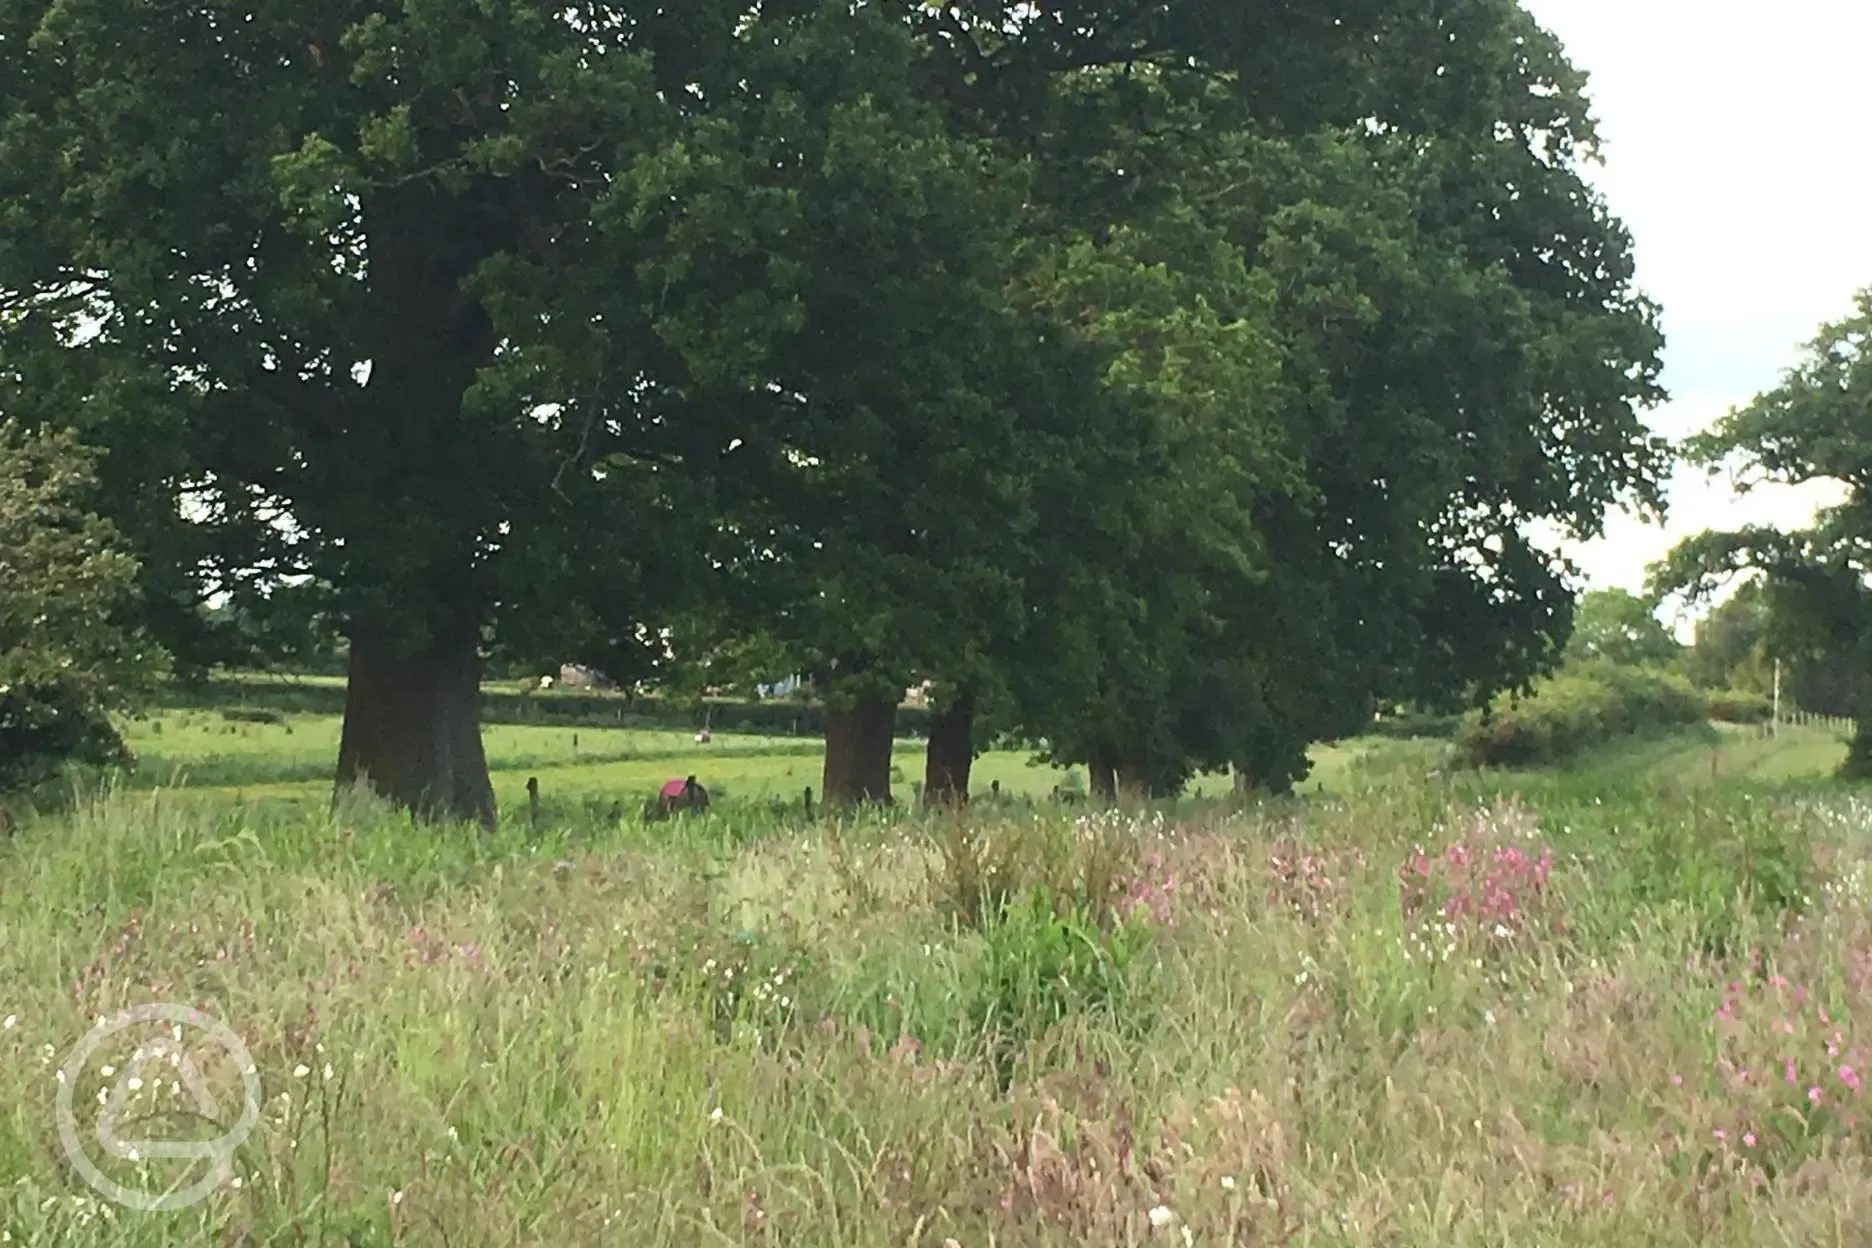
pixel 425 304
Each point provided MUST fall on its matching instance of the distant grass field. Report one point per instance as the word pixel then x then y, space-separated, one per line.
pixel 220 751
pixel 210 755
pixel 203 752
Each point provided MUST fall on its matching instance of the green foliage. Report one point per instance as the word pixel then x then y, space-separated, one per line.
pixel 1583 707
pixel 1733 643
pixel 66 657
pixel 1737 706
pixel 1059 934
pixel 1042 963
pixel 1817 581
pixel 1757 634
pixel 1178 377
pixel 1378 564
pixel 1621 628
pixel 1725 866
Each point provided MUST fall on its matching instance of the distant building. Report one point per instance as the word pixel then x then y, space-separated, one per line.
pixel 780 689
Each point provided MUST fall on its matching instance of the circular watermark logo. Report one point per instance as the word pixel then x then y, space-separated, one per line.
pixel 161 1063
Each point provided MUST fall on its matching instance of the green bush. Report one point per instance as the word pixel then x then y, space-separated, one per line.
pixel 1582 707
pixel 1733 706
pixel 66 658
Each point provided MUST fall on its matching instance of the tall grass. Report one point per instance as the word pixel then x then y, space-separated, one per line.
pixel 1417 1015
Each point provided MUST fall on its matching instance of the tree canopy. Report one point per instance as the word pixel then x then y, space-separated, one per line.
pixel 1176 380
pixel 1815 427
pixel 1621 628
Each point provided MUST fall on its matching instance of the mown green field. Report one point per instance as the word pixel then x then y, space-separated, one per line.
pixel 203 752
pixel 1624 1003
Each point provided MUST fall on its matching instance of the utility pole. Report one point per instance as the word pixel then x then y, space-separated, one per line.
pixel 1775 726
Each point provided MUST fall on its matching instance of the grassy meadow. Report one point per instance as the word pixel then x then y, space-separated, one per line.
pixel 231 753
pixel 1624 1003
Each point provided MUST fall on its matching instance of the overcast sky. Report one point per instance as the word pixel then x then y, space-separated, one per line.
pixel 1733 144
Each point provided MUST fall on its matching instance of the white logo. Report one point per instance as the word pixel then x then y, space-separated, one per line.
pixel 166 1059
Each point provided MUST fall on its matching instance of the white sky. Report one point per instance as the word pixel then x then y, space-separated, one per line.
pixel 1733 133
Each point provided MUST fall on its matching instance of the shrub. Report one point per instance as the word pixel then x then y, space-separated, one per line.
pixel 1585 706
pixel 66 658
pixel 1733 706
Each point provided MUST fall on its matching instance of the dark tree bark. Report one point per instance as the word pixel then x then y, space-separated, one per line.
pixel 1104 775
pixel 951 752
pixel 858 751
pixel 412 726
pixel 406 486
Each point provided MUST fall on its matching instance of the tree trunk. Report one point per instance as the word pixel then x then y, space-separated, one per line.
pixel 412 727
pixel 1134 781
pixel 858 752
pixel 951 752
pixel 1104 775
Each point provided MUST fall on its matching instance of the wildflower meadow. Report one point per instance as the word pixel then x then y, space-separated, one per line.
pixel 1418 1013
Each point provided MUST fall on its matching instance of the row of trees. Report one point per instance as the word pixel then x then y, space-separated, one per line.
pixel 1168 383
pixel 1741 646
